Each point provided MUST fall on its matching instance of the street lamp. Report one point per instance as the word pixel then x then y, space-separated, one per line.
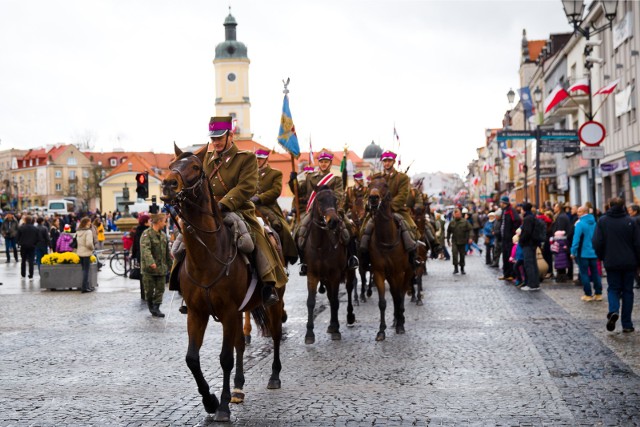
pixel 511 97
pixel 573 9
pixel 537 97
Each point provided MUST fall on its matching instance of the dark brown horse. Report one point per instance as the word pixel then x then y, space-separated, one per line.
pixel 214 280
pixel 326 262
pixel 357 213
pixel 389 259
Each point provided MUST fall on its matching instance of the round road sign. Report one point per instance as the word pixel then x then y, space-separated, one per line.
pixel 592 133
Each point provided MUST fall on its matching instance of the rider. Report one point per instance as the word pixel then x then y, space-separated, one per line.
pixel 399 186
pixel 301 179
pixel 233 175
pixel 266 201
pixel 355 192
pixel 323 177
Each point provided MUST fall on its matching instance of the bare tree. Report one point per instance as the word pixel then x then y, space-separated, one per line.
pixel 85 140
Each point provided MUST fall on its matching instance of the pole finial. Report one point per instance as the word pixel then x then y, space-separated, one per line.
pixel 286 85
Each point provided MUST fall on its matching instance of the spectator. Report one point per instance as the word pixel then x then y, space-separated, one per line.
pixel 27 239
pixel 617 242
pixel 489 237
pixel 634 212
pixel 54 233
pixel 44 241
pixel 510 223
pixel 517 260
pixel 529 245
pixel 84 237
pixel 562 222
pixel 143 224
pixel 10 234
pixel 497 239
pixel 441 236
pixel 583 253
pixel 64 241
pixel 99 226
pixel 560 248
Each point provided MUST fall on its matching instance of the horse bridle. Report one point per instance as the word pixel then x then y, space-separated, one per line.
pixel 374 208
pixel 323 223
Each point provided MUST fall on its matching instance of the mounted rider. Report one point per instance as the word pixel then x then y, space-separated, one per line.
pixel 324 177
pixel 355 192
pixel 301 179
pixel 266 201
pixel 233 176
pixel 399 186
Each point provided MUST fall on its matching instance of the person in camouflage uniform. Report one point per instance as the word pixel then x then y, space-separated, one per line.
pixel 155 262
pixel 322 176
pixel 460 229
pixel 266 201
pixel 233 176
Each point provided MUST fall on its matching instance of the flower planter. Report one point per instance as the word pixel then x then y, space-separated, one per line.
pixel 66 276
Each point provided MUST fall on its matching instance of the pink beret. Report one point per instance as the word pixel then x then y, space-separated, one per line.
pixel 388 155
pixel 262 154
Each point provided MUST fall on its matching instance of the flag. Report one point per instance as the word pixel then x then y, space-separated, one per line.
pixel 343 169
pixel 510 152
pixel 582 84
pixel 555 97
pixel 287 134
pixel 608 88
pixel 486 167
pixel 395 133
pixel 525 99
pixel 311 160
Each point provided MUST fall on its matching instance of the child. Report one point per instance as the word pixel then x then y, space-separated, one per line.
pixel 561 259
pixel 517 258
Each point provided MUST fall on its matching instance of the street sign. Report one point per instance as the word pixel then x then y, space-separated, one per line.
pixel 592 133
pixel 593 152
pixel 559 146
pixel 569 135
pixel 504 135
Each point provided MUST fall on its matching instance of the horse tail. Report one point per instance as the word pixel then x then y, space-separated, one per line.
pixel 260 317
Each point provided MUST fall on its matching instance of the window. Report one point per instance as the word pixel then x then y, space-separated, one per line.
pixel 113 162
pixel 30 162
pixel 58 173
pixel 72 174
pixel 71 161
pixel 85 173
pixel 122 160
pixel 72 189
pixel 58 187
pixel 103 174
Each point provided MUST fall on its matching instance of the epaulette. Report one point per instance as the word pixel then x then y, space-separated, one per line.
pixel 244 152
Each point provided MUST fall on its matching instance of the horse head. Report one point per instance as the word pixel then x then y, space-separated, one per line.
pixel 185 177
pixel 378 192
pixel 326 207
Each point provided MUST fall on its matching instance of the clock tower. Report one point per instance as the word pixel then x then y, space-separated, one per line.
pixel 231 65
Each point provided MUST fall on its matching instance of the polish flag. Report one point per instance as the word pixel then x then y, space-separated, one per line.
pixel 608 88
pixel 582 84
pixel 486 167
pixel 555 97
pixel 476 181
pixel 510 152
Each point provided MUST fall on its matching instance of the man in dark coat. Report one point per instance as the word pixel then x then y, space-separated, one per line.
pixel 27 239
pixel 563 222
pixel 634 212
pixel 617 243
pixel 529 245
pixel 508 227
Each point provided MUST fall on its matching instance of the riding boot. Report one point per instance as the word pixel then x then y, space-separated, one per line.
pixel 303 265
pixel 157 312
pixel 352 263
pixel 269 295
pixel 365 259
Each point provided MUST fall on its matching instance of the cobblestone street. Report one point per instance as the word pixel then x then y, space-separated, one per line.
pixel 478 352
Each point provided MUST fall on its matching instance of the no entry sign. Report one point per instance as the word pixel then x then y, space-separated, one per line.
pixel 592 133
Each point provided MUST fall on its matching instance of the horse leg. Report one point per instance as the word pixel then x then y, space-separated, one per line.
pixel 369 289
pixel 275 326
pixel 312 283
pixel 334 301
pixel 351 286
pixel 231 326
pixel 246 329
pixel 382 304
pixel 419 280
pixel 196 325
pixel 398 309
pixel 237 395
pixel 363 280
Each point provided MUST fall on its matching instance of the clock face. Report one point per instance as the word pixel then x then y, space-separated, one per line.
pixel 231 77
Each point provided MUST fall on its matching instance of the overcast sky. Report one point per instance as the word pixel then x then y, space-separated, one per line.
pixel 139 74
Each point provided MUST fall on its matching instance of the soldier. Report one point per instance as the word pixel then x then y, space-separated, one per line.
pixel 323 177
pixel 233 175
pixel 399 187
pixel 355 192
pixel 266 201
pixel 301 179
pixel 155 262
pixel 415 201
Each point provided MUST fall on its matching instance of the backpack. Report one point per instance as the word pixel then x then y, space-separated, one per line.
pixel 539 231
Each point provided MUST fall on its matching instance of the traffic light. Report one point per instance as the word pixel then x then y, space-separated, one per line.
pixel 142 185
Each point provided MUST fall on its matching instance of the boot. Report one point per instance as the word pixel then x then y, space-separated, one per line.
pixel 412 259
pixel 455 269
pixel 462 270
pixel 157 312
pixel 303 264
pixel 269 295
pixel 352 263
pixel 152 308
pixel 141 291
pixel 365 259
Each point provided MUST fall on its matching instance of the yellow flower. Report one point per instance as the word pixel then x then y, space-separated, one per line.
pixel 61 258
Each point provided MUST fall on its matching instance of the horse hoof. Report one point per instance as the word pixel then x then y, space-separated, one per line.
pixel 210 403
pixel 273 384
pixel 332 329
pixel 237 396
pixel 351 319
pixel 380 336
pixel 336 336
pixel 369 293
pixel 419 302
pixel 247 339
pixel 222 416
pixel 309 339
pixel 363 298
pixel 413 298
pixel 400 330
pixel 284 316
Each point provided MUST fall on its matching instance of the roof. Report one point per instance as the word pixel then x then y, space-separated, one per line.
pixel 138 164
pixel 158 160
pixel 535 47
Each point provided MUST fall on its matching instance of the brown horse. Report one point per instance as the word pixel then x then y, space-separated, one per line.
pixel 389 259
pixel 326 262
pixel 357 213
pixel 214 280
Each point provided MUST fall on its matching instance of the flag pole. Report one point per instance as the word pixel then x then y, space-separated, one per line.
pixel 296 200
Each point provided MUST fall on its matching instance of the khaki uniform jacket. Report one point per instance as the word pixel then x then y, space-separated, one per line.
pixel 414 199
pixel 399 187
pixel 154 249
pixel 269 188
pixel 460 229
pixel 354 193
pixel 335 184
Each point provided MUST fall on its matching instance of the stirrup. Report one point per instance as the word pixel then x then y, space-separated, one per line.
pixel 353 263
pixel 303 269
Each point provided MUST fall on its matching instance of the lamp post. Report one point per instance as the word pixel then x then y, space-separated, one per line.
pixel 537 97
pixel 574 9
pixel 510 97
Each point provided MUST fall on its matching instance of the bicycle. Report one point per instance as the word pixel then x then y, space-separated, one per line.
pixel 119 260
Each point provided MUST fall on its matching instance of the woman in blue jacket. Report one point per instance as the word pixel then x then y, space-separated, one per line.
pixel 583 252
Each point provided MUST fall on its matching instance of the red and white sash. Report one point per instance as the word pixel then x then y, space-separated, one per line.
pixel 322 182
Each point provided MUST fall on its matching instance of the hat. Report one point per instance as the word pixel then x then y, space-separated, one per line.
pixel 325 154
pixel 358 175
pixel 142 219
pixel 492 214
pixel 388 155
pixel 504 199
pixel 309 169
pixel 465 210
pixel 498 212
pixel 262 154
pixel 67 228
pixel 219 126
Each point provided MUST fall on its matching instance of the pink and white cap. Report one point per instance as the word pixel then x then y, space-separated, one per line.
pixel 325 155
pixel 262 154
pixel 388 155
pixel 358 175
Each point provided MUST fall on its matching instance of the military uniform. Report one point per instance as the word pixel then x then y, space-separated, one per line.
pixel 414 199
pixel 354 193
pixel 268 190
pixel 154 249
pixel 311 184
pixel 233 176
pixel 460 229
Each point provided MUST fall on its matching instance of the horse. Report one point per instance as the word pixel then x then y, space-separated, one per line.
pixel 389 258
pixel 214 280
pixel 326 262
pixel 357 213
